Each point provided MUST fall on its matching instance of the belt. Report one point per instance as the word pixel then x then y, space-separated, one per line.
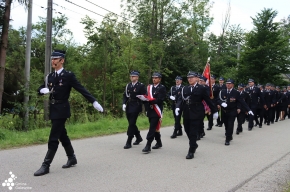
pixel 189 102
pixel 135 100
pixel 54 101
pixel 228 110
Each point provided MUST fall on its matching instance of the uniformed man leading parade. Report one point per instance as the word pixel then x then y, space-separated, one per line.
pixel 133 107
pixel 173 94
pixel 58 85
pixel 190 100
pixel 156 94
pixel 231 103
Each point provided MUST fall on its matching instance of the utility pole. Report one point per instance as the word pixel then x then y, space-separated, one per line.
pixel 47 65
pixel 27 65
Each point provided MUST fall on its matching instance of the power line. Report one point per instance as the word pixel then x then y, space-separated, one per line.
pixel 108 10
pixel 68 9
pixel 84 8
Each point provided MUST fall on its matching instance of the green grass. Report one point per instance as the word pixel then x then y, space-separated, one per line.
pixel 104 126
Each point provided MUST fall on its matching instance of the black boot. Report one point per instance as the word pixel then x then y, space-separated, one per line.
pixel 191 152
pixel 44 169
pixel 174 135
pixel 158 140
pixel 138 139
pixel 147 148
pixel 71 157
pixel 179 132
pixel 129 142
pixel 198 137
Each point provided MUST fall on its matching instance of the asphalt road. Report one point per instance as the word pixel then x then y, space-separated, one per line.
pixel 256 160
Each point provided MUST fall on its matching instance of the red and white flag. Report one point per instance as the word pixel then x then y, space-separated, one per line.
pixel 206 73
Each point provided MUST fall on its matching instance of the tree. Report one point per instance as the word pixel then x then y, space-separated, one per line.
pixel 4 43
pixel 266 51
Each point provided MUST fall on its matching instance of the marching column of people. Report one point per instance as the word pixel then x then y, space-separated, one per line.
pixel 193 102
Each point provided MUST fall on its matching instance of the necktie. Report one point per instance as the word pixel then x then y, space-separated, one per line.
pixel 229 92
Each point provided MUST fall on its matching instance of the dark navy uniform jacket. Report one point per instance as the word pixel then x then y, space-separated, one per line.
pixel 288 97
pixel 233 100
pixel 159 93
pixel 215 90
pixel 269 96
pixel 255 94
pixel 133 104
pixel 61 91
pixel 246 97
pixel 282 99
pixel 174 91
pixel 191 102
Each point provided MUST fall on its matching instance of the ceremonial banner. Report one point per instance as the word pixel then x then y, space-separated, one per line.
pixel 206 73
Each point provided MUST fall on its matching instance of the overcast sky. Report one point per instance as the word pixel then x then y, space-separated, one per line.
pixel 241 11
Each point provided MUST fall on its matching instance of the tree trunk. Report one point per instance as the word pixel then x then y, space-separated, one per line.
pixel 3 47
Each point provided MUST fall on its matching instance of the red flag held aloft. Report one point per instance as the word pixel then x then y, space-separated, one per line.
pixel 206 73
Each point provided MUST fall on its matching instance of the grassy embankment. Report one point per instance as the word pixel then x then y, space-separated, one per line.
pixel 104 126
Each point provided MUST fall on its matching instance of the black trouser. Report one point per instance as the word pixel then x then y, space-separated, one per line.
pixel 152 129
pixel 269 114
pixel 219 119
pixel 132 128
pixel 252 118
pixel 177 119
pixel 277 112
pixel 273 114
pixel 58 132
pixel 288 112
pixel 241 119
pixel 229 120
pixel 191 127
pixel 210 120
pixel 201 130
pixel 260 115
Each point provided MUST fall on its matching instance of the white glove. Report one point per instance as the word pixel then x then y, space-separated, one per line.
pixel 251 113
pixel 141 97
pixel 124 107
pixel 98 107
pixel 172 98
pixel 224 105
pixel 176 111
pixel 44 90
pixel 215 115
